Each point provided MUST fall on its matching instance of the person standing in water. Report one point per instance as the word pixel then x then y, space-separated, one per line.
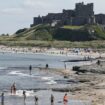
pixel 65 65
pixel 24 96
pixel 30 69
pixel 36 100
pixel 65 98
pixel 52 99
pixel 13 88
pixel 2 99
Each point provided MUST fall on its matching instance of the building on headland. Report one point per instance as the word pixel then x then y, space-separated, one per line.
pixel 81 15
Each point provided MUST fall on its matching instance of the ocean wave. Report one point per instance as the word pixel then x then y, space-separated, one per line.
pixel 46 78
pixel 19 73
pixel 51 82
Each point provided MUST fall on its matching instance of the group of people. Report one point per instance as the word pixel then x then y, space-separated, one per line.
pixel 30 68
pixel 52 99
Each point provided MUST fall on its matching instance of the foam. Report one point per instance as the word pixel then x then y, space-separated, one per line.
pixel 19 93
pixel 46 78
pixel 51 82
pixel 19 73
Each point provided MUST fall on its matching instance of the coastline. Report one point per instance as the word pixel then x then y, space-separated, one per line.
pixel 76 52
pixel 90 84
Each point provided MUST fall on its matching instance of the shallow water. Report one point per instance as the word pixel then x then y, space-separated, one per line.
pixel 40 60
pixel 14 68
pixel 44 98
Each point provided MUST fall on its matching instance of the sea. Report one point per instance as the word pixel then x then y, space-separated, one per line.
pixel 14 67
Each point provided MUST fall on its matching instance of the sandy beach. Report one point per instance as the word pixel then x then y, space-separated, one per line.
pixel 54 51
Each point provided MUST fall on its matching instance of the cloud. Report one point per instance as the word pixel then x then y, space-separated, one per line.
pixel 37 3
pixel 13 11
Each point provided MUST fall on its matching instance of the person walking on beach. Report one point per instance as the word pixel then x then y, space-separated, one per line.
pixel 65 98
pixel 2 99
pixel 52 99
pixel 30 69
pixel 24 95
pixel 36 100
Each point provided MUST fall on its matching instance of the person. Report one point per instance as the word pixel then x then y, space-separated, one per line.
pixel 36 100
pixel 65 98
pixel 24 95
pixel 13 88
pixel 2 99
pixel 98 62
pixel 65 65
pixel 30 69
pixel 47 66
pixel 52 99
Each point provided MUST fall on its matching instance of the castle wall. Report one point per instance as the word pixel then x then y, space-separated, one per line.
pixel 100 19
pixel 38 20
pixel 79 21
pixel 51 17
pixel 81 15
pixel 69 13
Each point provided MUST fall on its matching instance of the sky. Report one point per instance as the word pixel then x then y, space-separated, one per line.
pixel 18 14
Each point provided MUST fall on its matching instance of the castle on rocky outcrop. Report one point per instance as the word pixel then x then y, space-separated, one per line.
pixel 81 15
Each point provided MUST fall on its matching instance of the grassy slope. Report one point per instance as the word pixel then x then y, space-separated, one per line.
pixel 69 33
pixel 36 36
pixel 57 44
pixel 39 32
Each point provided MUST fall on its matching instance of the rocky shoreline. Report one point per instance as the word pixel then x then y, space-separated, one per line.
pixel 90 85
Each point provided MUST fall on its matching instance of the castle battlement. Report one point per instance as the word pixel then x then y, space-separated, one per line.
pixel 81 15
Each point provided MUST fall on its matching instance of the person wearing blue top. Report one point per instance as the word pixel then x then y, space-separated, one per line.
pixel 2 99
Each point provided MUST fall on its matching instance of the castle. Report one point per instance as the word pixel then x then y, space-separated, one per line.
pixel 81 15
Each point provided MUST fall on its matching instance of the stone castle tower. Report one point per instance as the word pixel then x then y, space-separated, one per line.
pixel 83 10
pixel 84 14
pixel 81 15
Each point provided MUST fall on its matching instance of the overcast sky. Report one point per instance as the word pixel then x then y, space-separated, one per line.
pixel 17 14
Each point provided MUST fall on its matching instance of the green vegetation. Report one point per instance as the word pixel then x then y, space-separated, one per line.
pixel 72 27
pixel 39 32
pixel 67 36
pixel 57 44
pixel 65 33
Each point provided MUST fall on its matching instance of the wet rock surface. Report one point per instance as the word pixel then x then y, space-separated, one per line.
pixel 92 83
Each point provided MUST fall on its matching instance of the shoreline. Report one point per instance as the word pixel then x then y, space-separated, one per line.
pixel 91 84
pixel 76 52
